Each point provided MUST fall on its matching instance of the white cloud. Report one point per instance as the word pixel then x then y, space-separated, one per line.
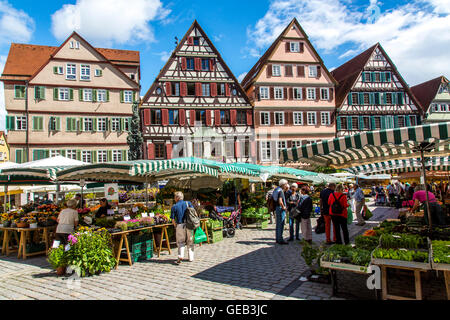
pixel 15 25
pixel 242 76
pixel 105 22
pixel 415 35
pixel 164 55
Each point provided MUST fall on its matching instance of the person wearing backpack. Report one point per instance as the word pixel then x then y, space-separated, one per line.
pixel 280 209
pixel 184 235
pixel 325 212
pixel 338 210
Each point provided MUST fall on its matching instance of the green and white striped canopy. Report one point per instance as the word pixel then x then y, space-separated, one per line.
pixel 166 168
pixel 370 147
pixel 226 170
pixel 414 164
pixel 413 169
pixel 46 173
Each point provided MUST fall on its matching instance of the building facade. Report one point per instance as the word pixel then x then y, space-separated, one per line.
pixel 372 95
pixel 4 148
pixel 196 107
pixel 434 96
pixel 73 100
pixel 293 95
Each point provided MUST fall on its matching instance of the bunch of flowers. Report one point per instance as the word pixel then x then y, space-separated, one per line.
pixel 7 217
pixel 49 208
pixel 123 196
pixel 148 221
pixel 84 211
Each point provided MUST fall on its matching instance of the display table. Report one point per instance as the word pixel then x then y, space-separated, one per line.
pixel 22 236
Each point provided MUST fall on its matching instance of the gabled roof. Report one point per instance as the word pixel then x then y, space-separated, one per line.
pixel 427 91
pixel 257 68
pixel 348 73
pixel 25 60
pixel 195 25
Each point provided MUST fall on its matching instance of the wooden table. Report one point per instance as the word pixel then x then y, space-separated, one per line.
pixel 23 240
pixel 204 227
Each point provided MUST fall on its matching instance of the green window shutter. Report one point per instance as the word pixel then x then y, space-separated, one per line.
pixel 18 156
pixel 68 124
pixel 408 121
pixel 384 98
pixel 34 121
pixel 371 98
pixel 55 70
pixel 109 155
pixel 36 92
pixel 79 155
pixel 46 154
pixel 107 95
pixel 372 76
pixel 80 94
pixel 94 95
pixel 361 98
pixel 121 96
pixel 71 94
pixel 361 123
pixel 395 121
pixel 41 123
pixel 134 96
pixel 383 77
pixel 11 123
pixel 383 122
pixel 372 122
pixel 42 92
pixel 338 123
pixel 94 124
pixel 124 155
pixel 349 99
pixel 122 124
pixel 94 156
pixel 35 155
pixel 55 94
pixel 400 98
pixel 58 123
pixel 388 77
pixel 377 98
pixel 63 153
pixel 80 125
pixel 363 75
pixel 349 123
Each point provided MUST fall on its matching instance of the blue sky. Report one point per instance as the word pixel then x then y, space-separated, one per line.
pixel 414 33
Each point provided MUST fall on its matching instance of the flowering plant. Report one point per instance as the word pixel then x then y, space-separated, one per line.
pixel 57 257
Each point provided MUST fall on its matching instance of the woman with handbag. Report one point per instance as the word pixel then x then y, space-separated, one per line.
pixel 306 207
pixel 293 200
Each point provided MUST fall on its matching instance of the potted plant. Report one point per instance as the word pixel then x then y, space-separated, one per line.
pixel 57 259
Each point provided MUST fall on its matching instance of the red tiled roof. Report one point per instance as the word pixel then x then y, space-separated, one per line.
pixel 24 60
pixel 427 91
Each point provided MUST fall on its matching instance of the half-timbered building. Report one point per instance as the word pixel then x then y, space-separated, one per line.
pixel 196 107
pixel 434 96
pixel 293 94
pixel 373 95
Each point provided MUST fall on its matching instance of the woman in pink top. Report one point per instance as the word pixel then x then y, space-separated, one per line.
pixel 419 198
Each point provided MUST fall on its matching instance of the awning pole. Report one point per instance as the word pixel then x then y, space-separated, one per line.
pixel 146 191
pixel 57 191
pixel 424 175
pixel 4 202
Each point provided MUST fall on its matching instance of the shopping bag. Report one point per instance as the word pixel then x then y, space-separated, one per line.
pixel 349 216
pixel 367 213
pixel 200 236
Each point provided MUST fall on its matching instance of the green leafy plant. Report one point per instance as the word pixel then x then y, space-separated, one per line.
pixel 441 251
pixel 57 257
pixel 311 253
pixel 105 223
pixel 366 243
pixel 402 241
pixel 69 195
pixel 401 254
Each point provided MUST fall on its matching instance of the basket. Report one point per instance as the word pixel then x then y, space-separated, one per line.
pixel 215 224
pixel 216 236
pixel 22 225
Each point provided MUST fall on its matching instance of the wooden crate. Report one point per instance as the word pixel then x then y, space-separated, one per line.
pixel 344 267
pixel 216 236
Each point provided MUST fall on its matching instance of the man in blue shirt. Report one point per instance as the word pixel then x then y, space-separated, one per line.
pixel 360 201
pixel 184 236
pixel 280 209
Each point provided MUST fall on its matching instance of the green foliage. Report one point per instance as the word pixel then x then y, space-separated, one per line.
pixel 327 170
pixel 401 254
pixel 403 241
pixel 69 195
pixel 347 254
pixel 135 139
pixel 105 223
pixel 441 251
pixel 92 252
pixel 57 257
pixel 310 253
pixel 90 196
pixel 366 243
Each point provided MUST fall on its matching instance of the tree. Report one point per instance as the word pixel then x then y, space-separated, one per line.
pixel 134 138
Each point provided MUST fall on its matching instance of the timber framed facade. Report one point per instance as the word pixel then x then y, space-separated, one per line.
pixel 372 95
pixel 196 107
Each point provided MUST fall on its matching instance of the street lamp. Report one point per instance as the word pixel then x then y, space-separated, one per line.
pixel 422 148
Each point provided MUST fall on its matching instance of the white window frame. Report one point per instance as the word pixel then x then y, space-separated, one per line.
pixel 71 154
pixel 87 94
pixel 116 155
pixel 60 70
pixel 309 118
pixel 266 151
pixel 102 124
pixel 86 156
pixel 98 72
pixel 264 93
pixel 435 107
pixel 308 91
pixel 295 46
pixel 278 68
pixel 281 145
pixel 206 90
pixel 127 96
pixel 299 95
pixel 327 90
pixel 297 144
pixel 296 118
pixel 88 124
pixel 263 116
pixel 55 153
pixel 278 93
pixel 443 107
pixel 327 114
pixel 72 75
pixel 102 156
pixel 115 124
pixel 65 94
pixel 279 116
pixel 21 123
pixel 85 72
pixel 311 73
pixel 101 93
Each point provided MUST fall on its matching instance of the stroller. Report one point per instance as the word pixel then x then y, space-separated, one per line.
pixel 380 199
pixel 230 224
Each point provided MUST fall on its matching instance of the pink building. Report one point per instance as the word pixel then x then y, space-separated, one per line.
pixel 293 95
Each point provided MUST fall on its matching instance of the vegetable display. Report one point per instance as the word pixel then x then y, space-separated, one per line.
pixel 402 241
pixel 347 254
pixel 366 242
pixel 401 254
pixel 441 251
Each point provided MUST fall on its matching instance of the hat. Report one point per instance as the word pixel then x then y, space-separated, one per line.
pixel 294 185
pixel 72 203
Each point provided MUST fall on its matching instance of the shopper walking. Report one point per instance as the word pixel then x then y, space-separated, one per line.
pixel 293 201
pixel 338 210
pixel 67 222
pixel 280 209
pixel 325 211
pixel 306 207
pixel 270 208
pixel 360 201
pixel 184 236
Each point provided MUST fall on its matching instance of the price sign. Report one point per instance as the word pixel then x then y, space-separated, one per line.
pixel 152 215
pixel 56 244
pixel 110 212
pixel 126 218
pixel 144 214
pixel 67 247
pixel 134 209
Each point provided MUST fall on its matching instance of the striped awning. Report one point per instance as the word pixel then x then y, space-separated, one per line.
pixel 410 164
pixel 413 169
pixel 165 168
pixel 46 173
pixel 370 147
pixel 226 170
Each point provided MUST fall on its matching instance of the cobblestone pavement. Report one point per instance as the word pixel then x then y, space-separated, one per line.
pixel 247 267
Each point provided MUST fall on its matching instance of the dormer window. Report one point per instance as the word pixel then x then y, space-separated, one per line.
pixel 74 44
pixel 98 72
pixel 295 46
